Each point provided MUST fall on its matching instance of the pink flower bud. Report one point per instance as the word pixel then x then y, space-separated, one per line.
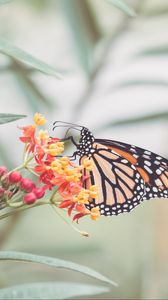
pixel 2 191
pixel 3 170
pixel 39 192
pixel 29 198
pixel 15 177
pixel 27 185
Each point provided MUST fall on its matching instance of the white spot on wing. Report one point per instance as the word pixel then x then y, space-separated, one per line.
pixel 148 163
pixel 148 169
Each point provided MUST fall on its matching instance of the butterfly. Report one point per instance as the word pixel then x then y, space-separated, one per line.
pixel 126 175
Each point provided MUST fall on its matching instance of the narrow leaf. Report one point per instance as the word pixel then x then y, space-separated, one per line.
pixel 78 17
pixel 123 6
pixel 16 53
pixel 140 82
pixel 155 51
pixel 50 290
pixel 5 1
pixel 155 11
pixel 53 262
pixel 6 118
pixel 138 119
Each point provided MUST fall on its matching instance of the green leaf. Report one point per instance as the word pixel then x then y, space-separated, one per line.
pixel 84 30
pixel 137 120
pixel 50 290
pixel 16 53
pixel 6 118
pixel 154 51
pixel 53 262
pixel 123 6
pixel 140 82
pixel 5 1
pixel 155 11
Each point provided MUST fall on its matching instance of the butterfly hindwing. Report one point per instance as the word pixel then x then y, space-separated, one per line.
pixel 121 186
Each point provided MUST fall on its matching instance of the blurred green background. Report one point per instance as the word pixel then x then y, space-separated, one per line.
pixel 114 81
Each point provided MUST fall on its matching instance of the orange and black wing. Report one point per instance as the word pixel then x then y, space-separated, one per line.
pixel 125 175
pixel 121 186
pixel 152 167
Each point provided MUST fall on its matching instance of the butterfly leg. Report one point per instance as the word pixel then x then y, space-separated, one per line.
pixel 72 157
pixel 69 138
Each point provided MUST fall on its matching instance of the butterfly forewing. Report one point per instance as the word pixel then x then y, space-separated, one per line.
pixel 152 167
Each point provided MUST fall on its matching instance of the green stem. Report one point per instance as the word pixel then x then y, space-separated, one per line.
pixel 53 196
pixel 31 171
pixel 23 208
pixel 29 159
pixel 16 169
pixel 56 209
pixel 16 204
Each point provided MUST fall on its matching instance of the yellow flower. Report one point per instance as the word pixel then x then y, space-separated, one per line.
pixel 56 166
pixel 87 164
pixel 39 119
pixel 82 197
pixel 73 175
pixel 65 161
pixel 56 148
pixel 93 191
pixel 43 135
pixel 85 196
pixel 95 213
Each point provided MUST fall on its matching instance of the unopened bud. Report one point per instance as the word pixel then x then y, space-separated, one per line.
pixel 39 192
pixel 14 177
pixel 27 185
pixel 29 198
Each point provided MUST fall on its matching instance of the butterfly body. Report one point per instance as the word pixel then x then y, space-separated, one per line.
pixel 85 143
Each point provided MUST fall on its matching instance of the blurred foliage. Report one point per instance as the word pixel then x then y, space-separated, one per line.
pixel 123 6
pixel 50 290
pixel 52 262
pixel 6 118
pixel 16 53
pixel 5 1
pixel 93 44
pixel 137 120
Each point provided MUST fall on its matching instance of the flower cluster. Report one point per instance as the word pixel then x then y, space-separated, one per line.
pixel 14 185
pixel 58 176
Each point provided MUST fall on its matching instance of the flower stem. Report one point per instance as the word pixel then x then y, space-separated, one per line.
pixel 31 171
pixel 15 204
pixel 56 209
pixel 22 208
pixel 16 169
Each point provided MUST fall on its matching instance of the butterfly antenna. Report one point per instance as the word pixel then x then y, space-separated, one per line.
pixel 67 123
pixel 65 126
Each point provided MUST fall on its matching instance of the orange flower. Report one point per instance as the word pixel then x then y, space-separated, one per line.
pixel 83 211
pixel 29 137
pixel 60 172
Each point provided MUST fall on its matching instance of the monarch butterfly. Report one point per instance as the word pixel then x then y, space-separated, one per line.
pixel 125 174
